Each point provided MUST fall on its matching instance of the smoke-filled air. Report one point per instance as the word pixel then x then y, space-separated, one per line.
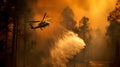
pixel 59 33
pixel 79 33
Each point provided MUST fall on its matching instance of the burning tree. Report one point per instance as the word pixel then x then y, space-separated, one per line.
pixel 114 29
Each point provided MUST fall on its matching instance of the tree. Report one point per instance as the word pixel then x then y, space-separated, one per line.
pixel 83 30
pixel 114 30
pixel 68 22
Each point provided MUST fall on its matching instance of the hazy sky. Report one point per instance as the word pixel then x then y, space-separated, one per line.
pixel 96 10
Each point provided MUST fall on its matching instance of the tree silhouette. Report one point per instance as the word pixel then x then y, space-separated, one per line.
pixel 83 29
pixel 114 30
pixel 83 32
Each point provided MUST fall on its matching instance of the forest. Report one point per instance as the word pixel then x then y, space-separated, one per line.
pixel 67 42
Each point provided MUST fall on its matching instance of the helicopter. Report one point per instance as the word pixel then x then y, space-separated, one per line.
pixel 43 23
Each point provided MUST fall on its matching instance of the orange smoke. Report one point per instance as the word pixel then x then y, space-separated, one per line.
pixel 96 10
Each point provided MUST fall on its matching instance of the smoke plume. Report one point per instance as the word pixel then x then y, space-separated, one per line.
pixel 70 44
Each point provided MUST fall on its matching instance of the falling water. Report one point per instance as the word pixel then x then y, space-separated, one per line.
pixel 66 48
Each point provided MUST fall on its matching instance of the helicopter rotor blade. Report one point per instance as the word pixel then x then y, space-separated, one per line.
pixel 47 19
pixel 35 21
pixel 44 16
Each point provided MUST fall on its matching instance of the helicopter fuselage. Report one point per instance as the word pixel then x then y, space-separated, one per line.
pixel 43 24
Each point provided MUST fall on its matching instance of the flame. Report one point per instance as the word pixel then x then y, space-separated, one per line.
pixel 65 48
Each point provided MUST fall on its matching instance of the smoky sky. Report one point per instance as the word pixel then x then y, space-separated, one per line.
pixel 71 11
